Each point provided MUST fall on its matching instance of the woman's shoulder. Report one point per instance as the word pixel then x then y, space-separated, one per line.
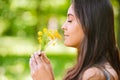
pixel 112 72
pixel 93 73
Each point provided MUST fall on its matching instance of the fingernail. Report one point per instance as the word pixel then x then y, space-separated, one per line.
pixel 39 52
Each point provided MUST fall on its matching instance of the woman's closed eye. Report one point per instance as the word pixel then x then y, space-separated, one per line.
pixel 69 21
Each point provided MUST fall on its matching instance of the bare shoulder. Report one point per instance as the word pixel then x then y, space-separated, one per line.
pixel 93 74
pixel 112 72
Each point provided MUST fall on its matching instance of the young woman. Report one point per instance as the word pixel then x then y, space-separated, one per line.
pixel 89 28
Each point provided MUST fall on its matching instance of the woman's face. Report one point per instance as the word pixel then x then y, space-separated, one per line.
pixel 73 33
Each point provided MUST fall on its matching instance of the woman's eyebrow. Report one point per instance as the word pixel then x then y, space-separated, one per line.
pixel 69 14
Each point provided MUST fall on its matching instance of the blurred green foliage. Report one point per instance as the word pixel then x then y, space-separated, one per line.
pixel 24 18
pixel 19 22
pixel 17 67
pixel 118 21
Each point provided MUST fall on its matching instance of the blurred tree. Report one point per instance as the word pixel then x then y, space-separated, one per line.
pixel 24 18
pixel 116 7
pixel 118 32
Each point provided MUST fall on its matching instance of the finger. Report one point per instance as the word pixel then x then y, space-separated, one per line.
pixel 33 58
pixel 33 63
pixel 37 59
pixel 39 52
pixel 47 62
pixel 45 59
pixel 30 61
pixel 32 66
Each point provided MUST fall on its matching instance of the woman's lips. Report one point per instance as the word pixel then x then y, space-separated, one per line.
pixel 65 36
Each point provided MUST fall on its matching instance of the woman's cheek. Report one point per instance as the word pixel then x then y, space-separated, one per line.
pixel 69 41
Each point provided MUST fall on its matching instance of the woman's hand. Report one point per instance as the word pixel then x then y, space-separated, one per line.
pixel 40 67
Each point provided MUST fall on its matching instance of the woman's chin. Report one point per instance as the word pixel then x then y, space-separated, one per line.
pixel 68 45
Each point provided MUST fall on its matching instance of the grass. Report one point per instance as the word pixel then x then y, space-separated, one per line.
pixel 14 67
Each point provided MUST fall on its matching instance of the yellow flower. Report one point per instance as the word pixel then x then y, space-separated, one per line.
pixel 47 37
pixel 39 39
pixel 53 44
pixel 57 35
pixel 50 31
pixel 51 36
pixel 40 33
pixel 45 30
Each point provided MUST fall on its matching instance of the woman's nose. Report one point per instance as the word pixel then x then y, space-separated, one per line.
pixel 63 27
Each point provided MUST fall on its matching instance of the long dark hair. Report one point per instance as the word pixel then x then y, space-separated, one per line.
pixel 99 45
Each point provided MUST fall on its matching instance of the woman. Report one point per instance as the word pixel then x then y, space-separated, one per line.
pixel 89 28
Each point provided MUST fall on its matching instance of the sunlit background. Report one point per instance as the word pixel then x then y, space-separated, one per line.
pixel 20 20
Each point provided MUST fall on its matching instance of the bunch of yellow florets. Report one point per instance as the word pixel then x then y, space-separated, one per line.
pixel 47 37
